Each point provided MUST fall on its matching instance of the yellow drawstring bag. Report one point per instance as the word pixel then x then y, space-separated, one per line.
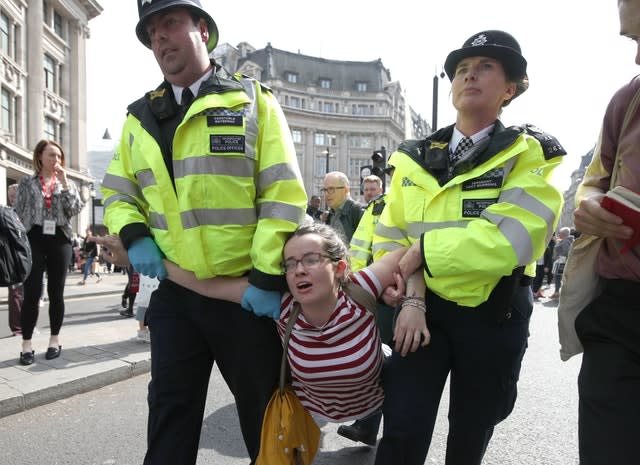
pixel 289 434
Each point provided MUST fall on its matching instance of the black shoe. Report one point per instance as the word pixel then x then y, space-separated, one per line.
pixel 127 313
pixel 359 432
pixel 53 352
pixel 26 358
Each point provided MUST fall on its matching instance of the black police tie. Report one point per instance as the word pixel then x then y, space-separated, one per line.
pixel 187 97
pixel 464 144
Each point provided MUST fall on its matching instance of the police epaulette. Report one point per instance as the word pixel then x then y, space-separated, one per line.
pixel 413 148
pixel 263 87
pixel 551 148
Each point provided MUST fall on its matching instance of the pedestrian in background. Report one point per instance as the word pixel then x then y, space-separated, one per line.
pixel 313 209
pixel 205 175
pixel 344 212
pixel 609 327
pixel 90 251
pixel 475 204
pixel 130 291
pixel 46 203
pixel 16 292
pixel 560 254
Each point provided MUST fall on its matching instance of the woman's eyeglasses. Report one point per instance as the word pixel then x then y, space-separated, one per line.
pixel 308 260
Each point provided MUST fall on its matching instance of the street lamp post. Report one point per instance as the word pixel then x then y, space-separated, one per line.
pixel 92 194
pixel 326 166
pixel 434 112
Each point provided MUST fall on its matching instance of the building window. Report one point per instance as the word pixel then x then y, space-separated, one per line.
pixel 361 86
pixel 291 77
pixel 6 107
pixel 325 83
pixel 360 142
pixel 320 167
pixel 58 24
pixel 327 107
pixel 296 135
pixel 294 102
pixel 355 165
pixel 325 139
pixel 362 110
pixel 50 129
pixel 4 34
pixel 50 73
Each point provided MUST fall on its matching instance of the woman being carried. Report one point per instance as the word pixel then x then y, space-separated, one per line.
pixel 335 353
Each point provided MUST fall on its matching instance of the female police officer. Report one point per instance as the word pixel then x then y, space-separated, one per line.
pixel 474 201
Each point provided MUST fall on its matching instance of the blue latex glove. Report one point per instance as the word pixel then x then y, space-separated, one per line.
pixel 146 258
pixel 261 302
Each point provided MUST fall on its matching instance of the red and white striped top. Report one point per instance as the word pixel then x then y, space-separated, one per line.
pixel 335 369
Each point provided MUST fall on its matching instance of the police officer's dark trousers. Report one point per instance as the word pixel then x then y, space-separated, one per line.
pixel 609 380
pixel 483 357
pixel 188 334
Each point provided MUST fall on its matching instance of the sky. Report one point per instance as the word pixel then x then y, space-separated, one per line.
pixel 576 56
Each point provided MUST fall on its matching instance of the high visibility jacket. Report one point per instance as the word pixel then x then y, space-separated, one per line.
pixel 479 219
pixel 236 191
pixel 360 251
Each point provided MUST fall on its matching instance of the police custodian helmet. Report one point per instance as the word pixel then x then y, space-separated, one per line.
pixel 498 45
pixel 147 8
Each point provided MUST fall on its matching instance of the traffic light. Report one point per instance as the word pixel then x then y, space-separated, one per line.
pixel 379 159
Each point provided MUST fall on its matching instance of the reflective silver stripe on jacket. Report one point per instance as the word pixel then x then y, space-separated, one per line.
pixel 121 185
pixel 158 221
pixel 218 217
pixel 391 232
pixel 274 173
pixel 515 232
pixel 120 198
pixel 521 198
pixel 359 254
pixel 146 178
pixel 417 229
pixel 251 118
pixel 360 243
pixel 225 166
pixel 281 211
pixel 389 246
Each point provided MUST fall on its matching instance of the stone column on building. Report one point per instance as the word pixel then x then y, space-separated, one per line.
pixel 35 78
pixel 77 93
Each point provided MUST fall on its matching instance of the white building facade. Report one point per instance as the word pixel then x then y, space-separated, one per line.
pixel 43 87
pixel 339 112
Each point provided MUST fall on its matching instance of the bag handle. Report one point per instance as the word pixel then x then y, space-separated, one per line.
pixel 293 316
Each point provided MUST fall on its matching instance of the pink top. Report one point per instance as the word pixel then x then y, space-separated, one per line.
pixel 611 262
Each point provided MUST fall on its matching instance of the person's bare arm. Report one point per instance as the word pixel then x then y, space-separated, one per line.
pixel 220 287
pixel 411 330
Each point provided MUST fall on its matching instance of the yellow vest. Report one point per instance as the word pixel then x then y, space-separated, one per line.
pixel 482 222
pixel 238 190
pixel 360 253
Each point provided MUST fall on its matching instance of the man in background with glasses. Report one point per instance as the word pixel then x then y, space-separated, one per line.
pixel 344 212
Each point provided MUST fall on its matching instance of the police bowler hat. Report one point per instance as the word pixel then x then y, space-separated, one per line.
pixel 493 44
pixel 147 8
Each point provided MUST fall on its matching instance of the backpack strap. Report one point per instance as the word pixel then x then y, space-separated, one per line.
pixel 293 316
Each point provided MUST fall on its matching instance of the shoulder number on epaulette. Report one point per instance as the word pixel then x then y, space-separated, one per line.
pixel 550 145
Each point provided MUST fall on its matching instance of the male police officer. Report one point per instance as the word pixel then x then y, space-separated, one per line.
pixel 206 175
